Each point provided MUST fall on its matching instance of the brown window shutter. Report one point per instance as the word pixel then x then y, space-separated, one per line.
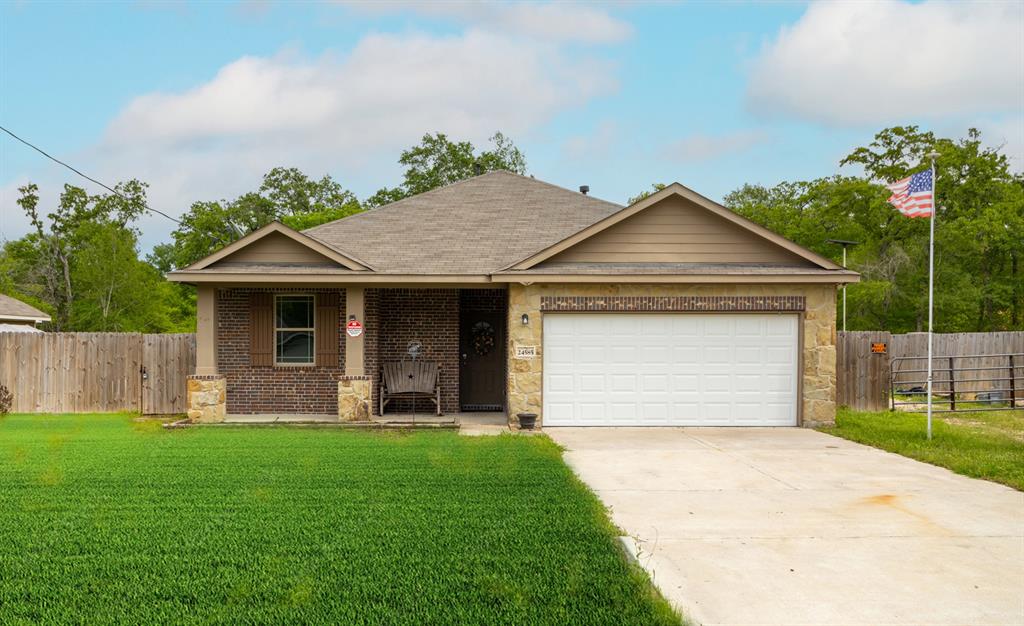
pixel 327 329
pixel 261 329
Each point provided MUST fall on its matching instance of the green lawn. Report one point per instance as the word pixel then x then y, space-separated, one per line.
pixel 107 520
pixel 987 445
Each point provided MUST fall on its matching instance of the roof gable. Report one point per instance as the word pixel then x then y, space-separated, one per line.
pixel 277 244
pixel 677 225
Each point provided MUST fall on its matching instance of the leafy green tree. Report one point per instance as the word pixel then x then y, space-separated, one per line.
pixel 82 262
pixel 438 161
pixel 286 194
pixel 655 188
pixel 979 232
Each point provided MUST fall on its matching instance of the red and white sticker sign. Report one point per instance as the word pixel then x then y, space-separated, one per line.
pixel 354 328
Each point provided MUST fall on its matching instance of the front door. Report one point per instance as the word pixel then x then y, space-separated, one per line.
pixel 482 361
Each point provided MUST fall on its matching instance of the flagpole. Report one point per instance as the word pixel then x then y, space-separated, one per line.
pixel 931 285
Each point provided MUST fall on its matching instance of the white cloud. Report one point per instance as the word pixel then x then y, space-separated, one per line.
pixel 596 144
pixel 550 21
pixel 347 115
pixel 880 62
pixel 1008 135
pixel 702 147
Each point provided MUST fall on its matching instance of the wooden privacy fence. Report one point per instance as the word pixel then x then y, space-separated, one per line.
pixel 862 377
pixel 83 372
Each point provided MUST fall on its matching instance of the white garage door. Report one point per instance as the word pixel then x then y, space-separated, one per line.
pixel 670 369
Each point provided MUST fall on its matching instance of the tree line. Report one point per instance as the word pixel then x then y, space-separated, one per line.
pixel 81 262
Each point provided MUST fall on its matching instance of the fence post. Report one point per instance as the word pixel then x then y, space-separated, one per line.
pixel 1013 387
pixel 952 387
pixel 892 384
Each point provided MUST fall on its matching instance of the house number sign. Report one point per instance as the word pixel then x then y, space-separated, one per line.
pixel 526 352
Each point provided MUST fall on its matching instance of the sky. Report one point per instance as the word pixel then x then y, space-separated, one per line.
pixel 200 100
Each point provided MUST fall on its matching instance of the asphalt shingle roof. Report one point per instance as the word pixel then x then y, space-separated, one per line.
pixel 476 226
pixel 14 308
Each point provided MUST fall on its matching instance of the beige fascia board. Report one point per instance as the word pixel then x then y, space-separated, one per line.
pixel 675 278
pixel 689 194
pixel 347 261
pixel 369 278
pixel 24 318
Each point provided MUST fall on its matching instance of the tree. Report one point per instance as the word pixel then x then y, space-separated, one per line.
pixel 655 188
pixel 82 262
pixel 979 232
pixel 438 161
pixel 286 194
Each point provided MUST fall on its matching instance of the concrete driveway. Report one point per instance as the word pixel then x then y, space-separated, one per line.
pixel 791 526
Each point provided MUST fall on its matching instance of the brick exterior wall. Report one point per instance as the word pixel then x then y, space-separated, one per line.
pixel 271 389
pixel 484 300
pixel 673 303
pixel 429 316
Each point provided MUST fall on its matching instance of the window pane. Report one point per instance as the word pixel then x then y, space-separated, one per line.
pixel 295 312
pixel 294 346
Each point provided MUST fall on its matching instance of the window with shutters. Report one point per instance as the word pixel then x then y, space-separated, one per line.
pixel 294 329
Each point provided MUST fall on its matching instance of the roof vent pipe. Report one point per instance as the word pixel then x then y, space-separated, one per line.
pixel 584 189
pixel 478 169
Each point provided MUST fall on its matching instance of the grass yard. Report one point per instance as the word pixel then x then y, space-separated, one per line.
pixel 107 520
pixel 987 445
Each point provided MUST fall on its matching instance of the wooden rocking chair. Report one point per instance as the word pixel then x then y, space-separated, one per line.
pixel 410 379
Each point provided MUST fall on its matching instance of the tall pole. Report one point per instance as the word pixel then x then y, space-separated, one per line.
pixel 844 291
pixel 931 286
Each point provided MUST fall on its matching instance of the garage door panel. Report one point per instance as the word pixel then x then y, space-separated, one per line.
pixel 779 326
pixel 718 354
pixel 670 369
pixel 558 354
pixel 748 326
pixel 718 326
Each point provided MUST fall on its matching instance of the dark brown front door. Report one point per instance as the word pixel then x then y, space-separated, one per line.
pixel 482 363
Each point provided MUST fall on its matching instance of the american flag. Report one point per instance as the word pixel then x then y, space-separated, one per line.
pixel 914 195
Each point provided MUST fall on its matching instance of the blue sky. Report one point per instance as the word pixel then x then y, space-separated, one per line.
pixel 200 100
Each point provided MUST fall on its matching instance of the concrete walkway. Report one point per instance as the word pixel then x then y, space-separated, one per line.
pixel 791 526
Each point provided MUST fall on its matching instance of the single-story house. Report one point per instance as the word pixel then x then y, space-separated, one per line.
pixel 530 298
pixel 19 317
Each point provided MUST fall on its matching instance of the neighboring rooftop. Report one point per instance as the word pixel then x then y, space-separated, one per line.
pixel 475 226
pixel 12 309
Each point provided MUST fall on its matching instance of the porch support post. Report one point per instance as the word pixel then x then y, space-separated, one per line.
pixel 206 330
pixel 354 306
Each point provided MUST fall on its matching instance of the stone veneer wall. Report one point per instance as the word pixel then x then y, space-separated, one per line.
pixel 819 331
pixel 207 399
pixel 354 398
pixel 271 389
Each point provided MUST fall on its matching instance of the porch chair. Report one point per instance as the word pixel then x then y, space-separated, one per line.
pixel 412 380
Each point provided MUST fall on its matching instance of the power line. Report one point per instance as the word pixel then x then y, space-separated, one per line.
pixel 85 176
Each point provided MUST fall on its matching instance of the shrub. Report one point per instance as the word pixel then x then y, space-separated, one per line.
pixel 6 400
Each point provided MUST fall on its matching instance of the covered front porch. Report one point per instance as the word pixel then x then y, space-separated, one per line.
pixel 307 354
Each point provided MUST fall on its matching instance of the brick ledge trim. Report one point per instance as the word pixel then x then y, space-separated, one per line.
pixel 206 377
pixel 673 303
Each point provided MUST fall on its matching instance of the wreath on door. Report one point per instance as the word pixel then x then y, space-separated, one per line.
pixel 483 338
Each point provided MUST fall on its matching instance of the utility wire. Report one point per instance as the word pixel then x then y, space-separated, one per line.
pixel 85 176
